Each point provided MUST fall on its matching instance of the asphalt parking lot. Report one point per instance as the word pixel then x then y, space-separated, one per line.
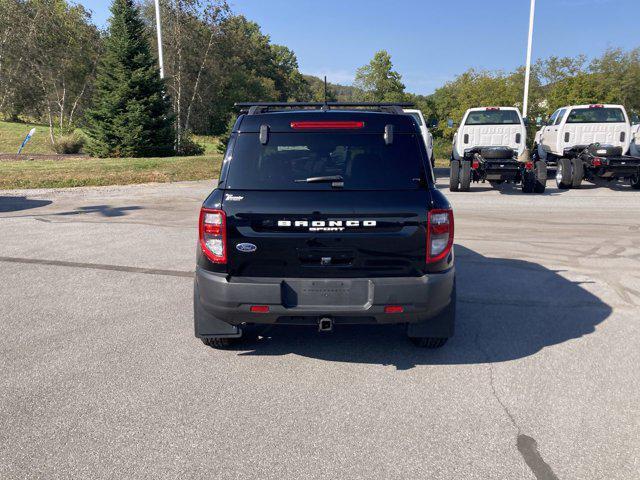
pixel 101 377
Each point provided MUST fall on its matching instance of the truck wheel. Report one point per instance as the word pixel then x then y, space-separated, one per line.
pixel 528 182
pixel 577 172
pixel 454 176
pixel 635 182
pixel 465 176
pixel 563 174
pixel 218 342
pixel 429 342
pixel 540 172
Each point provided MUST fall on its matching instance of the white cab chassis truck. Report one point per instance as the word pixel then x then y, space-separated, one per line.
pixel 634 149
pixel 589 142
pixel 427 136
pixel 487 147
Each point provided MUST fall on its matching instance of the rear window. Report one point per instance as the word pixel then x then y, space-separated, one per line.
pixel 363 161
pixel 596 115
pixel 493 117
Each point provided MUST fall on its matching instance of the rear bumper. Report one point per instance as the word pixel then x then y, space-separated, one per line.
pixel 221 302
pixel 613 167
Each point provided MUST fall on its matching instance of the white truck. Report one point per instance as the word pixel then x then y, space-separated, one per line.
pixel 427 136
pixel 587 142
pixel 634 149
pixel 488 146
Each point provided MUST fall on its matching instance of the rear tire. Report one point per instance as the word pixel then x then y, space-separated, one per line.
pixel 496 153
pixel 454 176
pixel 563 174
pixel 465 176
pixel 577 172
pixel 528 181
pixel 429 342
pixel 635 182
pixel 540 177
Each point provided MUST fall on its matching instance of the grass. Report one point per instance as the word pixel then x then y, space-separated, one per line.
pixel 12 135
pixel 80 172
pixel 106 171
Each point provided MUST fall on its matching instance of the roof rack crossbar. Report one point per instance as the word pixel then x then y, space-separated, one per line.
pixel 261 107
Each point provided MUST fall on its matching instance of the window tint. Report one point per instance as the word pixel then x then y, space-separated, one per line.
pixel 363 160
pixel 596 115
pixel 493 117
pixel 560 116
pixel 417 117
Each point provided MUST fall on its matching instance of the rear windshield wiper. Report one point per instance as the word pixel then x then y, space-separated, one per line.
pixel 336 180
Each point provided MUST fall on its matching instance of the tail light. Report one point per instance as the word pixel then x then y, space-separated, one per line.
pixel 439 234
pixel 213 234
pixel 475 164
pixel 596 162
pixel 528 166
pixel 393 309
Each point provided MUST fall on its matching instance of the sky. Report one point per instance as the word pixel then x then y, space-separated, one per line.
pixel 432 41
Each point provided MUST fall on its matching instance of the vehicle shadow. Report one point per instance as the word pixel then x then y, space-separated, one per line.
pixel 507 309
pixel 104 210
pixel 16 204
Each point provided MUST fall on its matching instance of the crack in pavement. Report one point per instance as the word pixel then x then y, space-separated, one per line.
pixel 526 445
pixel 99 266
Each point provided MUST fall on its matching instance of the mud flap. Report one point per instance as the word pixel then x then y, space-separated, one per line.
pixel 206 325
pixel 440 326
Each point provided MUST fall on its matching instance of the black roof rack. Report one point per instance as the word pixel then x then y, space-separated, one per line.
pixel 254 108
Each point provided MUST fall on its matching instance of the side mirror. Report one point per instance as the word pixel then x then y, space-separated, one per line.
pixel 450 123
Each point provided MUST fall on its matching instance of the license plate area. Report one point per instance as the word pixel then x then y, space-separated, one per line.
pixel 320 294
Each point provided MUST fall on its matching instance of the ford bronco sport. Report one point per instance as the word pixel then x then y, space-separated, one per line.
pixel 325 215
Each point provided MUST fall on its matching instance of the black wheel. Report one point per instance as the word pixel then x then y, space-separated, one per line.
pixel 218 342
pixel 540 172
pixel 635 182
pixel 496 153
pixel 577 172
pixel 528 181
pixel 429 342
pixel 454 176
pixel 465 176
pixel 563 174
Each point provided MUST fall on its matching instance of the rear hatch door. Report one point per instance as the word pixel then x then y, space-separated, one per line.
pixel 333 205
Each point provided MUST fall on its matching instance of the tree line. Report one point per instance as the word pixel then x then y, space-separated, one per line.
pixel 58 67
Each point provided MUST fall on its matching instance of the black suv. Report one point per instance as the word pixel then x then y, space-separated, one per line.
pixel 325 214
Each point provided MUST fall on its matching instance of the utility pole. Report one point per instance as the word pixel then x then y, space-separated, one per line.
pixel 159 30
pixel 525 103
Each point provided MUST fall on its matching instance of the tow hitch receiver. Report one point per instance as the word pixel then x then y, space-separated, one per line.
pixel 325 325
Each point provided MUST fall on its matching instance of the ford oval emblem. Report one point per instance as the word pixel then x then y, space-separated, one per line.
pixel 246 247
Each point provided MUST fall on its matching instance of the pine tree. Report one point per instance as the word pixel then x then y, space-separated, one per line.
pixel 131 114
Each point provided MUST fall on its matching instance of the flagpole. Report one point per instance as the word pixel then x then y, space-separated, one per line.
pixel 159 31
pixel 527 74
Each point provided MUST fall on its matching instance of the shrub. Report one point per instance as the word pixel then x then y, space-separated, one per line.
pixel 189 147
pixel 70 143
